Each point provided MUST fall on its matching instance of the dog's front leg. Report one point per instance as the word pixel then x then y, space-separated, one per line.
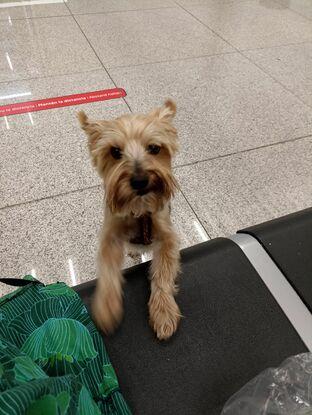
pixel 107 304
pixel 164 311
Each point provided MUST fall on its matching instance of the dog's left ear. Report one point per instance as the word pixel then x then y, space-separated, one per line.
pixel 167 112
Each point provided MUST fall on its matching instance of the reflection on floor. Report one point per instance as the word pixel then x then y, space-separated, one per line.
pixel 240 71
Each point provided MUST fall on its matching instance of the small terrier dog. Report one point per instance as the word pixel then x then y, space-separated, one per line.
pixel 132 154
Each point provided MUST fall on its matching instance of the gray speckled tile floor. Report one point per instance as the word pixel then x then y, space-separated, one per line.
pixel 55 46
pixel 152 35
pixel 290 65
pixel 303 7
pixel 234 192
pixel 106 6
pixel 255 24
pixel 38 10
pixel 244 117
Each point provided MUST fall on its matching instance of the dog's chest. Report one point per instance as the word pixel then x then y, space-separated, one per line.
pixel 142 230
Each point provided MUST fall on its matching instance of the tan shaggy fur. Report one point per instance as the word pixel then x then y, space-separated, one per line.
pixel 133 136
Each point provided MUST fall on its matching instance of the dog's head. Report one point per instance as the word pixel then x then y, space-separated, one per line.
pixel 133 156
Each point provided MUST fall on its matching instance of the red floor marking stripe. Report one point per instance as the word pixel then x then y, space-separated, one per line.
pixel 65 101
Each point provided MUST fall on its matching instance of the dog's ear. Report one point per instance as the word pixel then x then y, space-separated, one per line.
pixel 167 111
pixel 93 130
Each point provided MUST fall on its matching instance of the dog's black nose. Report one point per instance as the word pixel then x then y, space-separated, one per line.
pixel 139 182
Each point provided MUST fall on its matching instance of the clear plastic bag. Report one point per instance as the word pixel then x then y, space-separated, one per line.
pixel 286 390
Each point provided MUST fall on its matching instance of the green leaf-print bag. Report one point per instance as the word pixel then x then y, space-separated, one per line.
pixel 52 359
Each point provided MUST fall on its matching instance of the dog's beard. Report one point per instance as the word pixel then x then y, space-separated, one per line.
pixel 122 199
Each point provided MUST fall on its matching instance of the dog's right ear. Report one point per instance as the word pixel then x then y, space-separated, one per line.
pixel 83 119
pixel 93 130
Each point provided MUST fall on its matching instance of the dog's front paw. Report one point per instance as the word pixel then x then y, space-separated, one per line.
pixel 164 314
pixel 107 309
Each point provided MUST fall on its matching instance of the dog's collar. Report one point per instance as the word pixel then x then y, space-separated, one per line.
pixel 144 232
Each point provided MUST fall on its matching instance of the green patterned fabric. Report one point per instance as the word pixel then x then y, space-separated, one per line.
pixel 52 359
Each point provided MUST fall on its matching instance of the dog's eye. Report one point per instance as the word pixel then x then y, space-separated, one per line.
pixel 153 149
pixel 116 153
